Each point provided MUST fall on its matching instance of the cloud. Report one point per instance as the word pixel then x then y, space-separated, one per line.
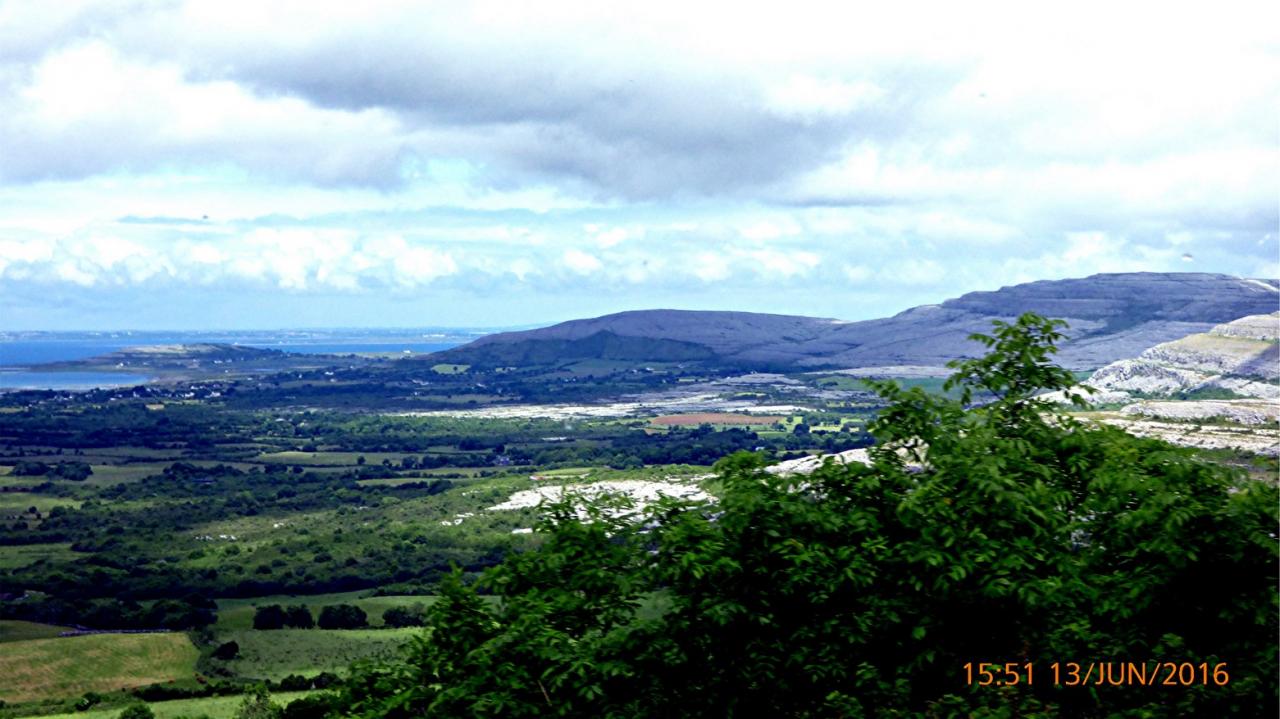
pixel 710 153
pixel 87 109
pixel 581 262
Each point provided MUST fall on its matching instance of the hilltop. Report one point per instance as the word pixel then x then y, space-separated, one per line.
pixel 1111 316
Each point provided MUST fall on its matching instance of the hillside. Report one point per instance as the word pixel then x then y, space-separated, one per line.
pixel 1111 316
pixel 1217 390
pixel 1240 357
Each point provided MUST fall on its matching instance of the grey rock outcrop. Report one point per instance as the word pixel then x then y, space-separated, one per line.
pixel 1242 356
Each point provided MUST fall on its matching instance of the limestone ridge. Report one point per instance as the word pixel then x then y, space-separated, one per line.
pixel 1111 316
pixel 1241 357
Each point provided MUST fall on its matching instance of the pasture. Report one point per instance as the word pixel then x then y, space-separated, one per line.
pixel 14 630
pixel 211 707
pixel 22 555
pixel 237 614
pixel 68 666
pixel 278 653
pixel 694 419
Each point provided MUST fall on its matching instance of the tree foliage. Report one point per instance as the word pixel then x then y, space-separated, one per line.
pixel 342 616
pixel 270 616
pixel 257 704
pixel 137 711
pixel 298 616
pixel 996 532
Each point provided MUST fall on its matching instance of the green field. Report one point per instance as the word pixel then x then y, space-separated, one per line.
pixel 108 474
pixel 212 707
pixel 281 652
pixel 56 668
pixel 237 614
pixel 329 459
pixel 21 555
pixel 13 630
pixel 19 502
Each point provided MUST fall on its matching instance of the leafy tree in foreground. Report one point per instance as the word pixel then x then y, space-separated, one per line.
pixel 994 533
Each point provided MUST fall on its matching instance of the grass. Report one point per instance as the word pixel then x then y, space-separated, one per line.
pixel 14 630
pixel 450 368
pixel 212 707
pixel 567 472
pixel 112 474
pixel 714 418
pixel 237 614
pixel 54 668
pixel 19 502
pixel 20 555
pixel 330 459
pixel 8 480
pixel 281 652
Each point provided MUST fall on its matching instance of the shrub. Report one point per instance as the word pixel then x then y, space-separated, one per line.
pixel 343 616
pixel 227 651
pixel 88 701
pixel 298 616
pixel 410 616
pixel 137 711
pixel 271 616
pixel 257 705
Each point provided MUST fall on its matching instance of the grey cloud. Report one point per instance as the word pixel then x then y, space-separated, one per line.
pixel 638 121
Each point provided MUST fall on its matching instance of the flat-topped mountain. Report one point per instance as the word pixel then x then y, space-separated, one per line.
pixel 1111 316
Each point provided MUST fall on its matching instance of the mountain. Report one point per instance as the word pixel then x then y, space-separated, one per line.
pixel 1241 357
pixel 1215 389
pixel 1111 316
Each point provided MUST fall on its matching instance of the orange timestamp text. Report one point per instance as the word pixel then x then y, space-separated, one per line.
pixel 1098 673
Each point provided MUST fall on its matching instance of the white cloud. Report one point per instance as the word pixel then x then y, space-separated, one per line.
pixel 857 273
pixel 581 262
pixel 806 95
pixel 915 272
pixel 709 266
pixel 673 148
pixel 784 265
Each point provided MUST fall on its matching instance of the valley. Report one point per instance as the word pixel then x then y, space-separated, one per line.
pixel 162 523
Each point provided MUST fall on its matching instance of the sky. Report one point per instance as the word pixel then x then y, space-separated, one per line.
pixel 236 165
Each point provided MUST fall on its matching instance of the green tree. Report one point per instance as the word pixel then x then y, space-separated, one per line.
pixel 414 615
pixel 227 651
pixel 299 616
pixel 271 616
pixel 342 616
pixel 137 711
pixel 257 704
pixel 986 528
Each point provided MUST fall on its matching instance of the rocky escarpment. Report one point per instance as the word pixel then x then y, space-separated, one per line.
pixel 1240 357
pixel 1111 316
pixel 1237 359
